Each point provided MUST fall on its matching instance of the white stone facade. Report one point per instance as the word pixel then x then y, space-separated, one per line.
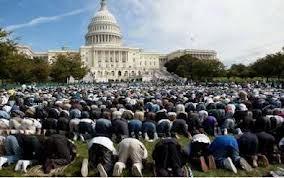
pixel 118 63
pixel 197 53
pixel 105 56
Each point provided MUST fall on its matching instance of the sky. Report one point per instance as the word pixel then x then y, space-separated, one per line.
pixel 239 30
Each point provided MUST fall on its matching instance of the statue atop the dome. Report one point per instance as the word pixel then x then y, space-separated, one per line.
pixel 103 5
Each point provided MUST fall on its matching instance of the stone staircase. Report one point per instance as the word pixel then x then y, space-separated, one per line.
pixel 164 75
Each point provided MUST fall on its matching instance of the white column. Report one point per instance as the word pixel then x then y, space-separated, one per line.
pixel 93 60
pixel 127 58
pixel 119 58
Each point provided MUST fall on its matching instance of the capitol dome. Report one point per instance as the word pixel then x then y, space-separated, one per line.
pixel 103 29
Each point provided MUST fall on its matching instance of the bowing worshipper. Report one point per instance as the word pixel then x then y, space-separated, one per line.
pixel 102 155
pixel 225 150
pixel 134 151
pixel 169 158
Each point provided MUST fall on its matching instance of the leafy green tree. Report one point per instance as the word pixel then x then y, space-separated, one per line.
pixel 7 52
pixel 208 68
pixel 239 70
pixel 20 73
pixel 41 70
pixel 182 66
pixel 66 66
pixel 270 66
pixel 78 70
pixel 193 68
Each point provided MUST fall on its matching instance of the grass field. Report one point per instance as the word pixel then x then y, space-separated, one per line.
pixel 74 168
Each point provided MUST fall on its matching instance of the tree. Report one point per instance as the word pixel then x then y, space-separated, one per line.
pixel 41 69
pixel 193 68
pixel 181 66
pixel 78 69
pixel 271 65
pixel 7 52
pixel 66 66
pixel 239 70
pixel 20 73
pixel 208 68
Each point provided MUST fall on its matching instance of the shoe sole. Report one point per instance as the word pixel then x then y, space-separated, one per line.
pixel 263 161
pixel 232 166
pixel 116 171
pixel 136 172
pixel 18 166
pixel 245 165
pixel 84 169
pixel 203 164
pixel 211 164
pixel 102 170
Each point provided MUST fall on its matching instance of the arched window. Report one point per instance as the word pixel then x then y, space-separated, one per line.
pixel 119 73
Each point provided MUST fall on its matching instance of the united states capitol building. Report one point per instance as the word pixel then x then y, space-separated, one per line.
pixel 109 60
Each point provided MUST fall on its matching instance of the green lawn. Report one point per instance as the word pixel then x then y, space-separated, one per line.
pixel 74 168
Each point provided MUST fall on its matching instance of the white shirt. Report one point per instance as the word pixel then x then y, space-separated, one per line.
pixel 104 141
pixel 200 138
pixel 135 141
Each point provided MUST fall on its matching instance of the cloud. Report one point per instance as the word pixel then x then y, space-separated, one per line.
pixel 239 30
pixel 41 20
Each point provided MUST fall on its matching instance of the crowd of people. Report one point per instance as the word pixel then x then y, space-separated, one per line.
pixel 227 126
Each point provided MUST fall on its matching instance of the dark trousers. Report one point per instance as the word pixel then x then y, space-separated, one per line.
pixel 63 124
pixel 198 149
pixel 149 128
pixel 163 129
pixel 98 154
pixel 86 129
pixel 266 144
pixel 58 152
pixel 168 156
pixel 179 126
pixel 120 128
pixel 49 123
pixel 248 144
